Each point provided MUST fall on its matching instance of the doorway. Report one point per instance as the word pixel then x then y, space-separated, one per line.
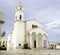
pixel 34 44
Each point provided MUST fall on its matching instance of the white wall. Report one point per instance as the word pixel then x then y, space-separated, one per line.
pixel 9 41
pixel 19 33
pixel 33 22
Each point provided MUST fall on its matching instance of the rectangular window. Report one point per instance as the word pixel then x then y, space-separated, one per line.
pixel 34 26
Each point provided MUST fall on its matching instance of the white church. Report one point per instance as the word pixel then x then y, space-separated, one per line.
pixel 29 32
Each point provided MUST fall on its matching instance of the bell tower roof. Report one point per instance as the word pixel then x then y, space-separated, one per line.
pixel 19 6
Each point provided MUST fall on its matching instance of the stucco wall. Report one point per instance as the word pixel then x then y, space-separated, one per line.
pixel 19 33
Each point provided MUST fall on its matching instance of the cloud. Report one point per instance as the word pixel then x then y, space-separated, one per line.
pixel 53 24
pixel 53 27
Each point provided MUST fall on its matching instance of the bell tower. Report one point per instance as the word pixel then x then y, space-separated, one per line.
pixel 19 27
pixel 19 14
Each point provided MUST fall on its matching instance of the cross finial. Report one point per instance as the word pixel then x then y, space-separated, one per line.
pixel 19 2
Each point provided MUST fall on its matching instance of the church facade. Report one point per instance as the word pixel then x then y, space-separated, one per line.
pixel 30 32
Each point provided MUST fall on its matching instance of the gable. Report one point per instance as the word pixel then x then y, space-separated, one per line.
pixel 33 24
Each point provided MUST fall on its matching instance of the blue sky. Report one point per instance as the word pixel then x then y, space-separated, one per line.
pixel 46 12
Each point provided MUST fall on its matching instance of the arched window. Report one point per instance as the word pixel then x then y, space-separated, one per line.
pixel 20 8
pixel 20 17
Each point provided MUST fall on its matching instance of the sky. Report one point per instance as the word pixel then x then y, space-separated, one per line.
pixel 46 12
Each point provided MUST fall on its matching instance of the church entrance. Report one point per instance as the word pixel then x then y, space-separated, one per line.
pixel 34 44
